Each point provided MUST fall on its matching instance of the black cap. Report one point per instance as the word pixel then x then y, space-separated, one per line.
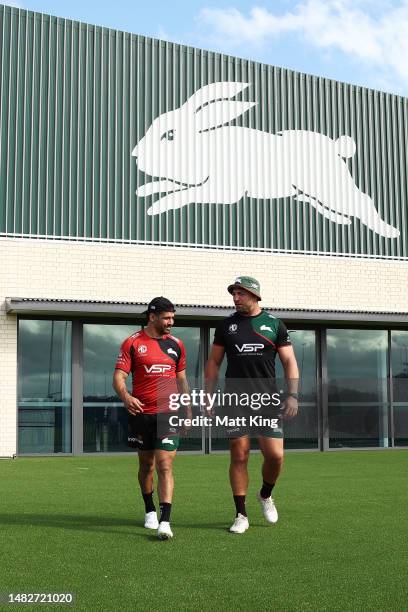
pixel 160 304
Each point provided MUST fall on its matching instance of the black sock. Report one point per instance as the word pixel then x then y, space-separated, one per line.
pixel 266 490
pixel 240 504
pixel 148 502
pixel 165 510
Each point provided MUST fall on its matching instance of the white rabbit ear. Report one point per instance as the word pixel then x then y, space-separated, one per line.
pixel 214 91
pixel 217 113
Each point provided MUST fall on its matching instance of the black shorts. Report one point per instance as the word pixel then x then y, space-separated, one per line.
pixel 265 423
pixel 255 431
pixel 143 434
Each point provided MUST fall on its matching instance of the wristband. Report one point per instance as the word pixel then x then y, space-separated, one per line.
pixel 293 394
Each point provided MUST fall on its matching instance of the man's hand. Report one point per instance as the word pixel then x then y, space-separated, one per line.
pixel 188 414
pixel 212 368
pixel 208 411
pixel 132 404
pixel 289 364
pixel 291 408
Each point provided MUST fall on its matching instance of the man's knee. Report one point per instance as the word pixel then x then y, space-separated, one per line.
pixel 164 466
pixel 275 456
pixel 278 458
pixel 146 466
pixel 272 450
pixel 239 455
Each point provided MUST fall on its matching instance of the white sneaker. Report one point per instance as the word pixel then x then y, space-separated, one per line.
pixel 151 521
pixel 268 508
pixel 240 524
pixel 164 531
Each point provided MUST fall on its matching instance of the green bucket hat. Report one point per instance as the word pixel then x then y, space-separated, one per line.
pixel 248 283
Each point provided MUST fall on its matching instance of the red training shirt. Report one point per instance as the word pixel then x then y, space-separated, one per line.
pixel 153 363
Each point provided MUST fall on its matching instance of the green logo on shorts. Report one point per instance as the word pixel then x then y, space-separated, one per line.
pixel 169 443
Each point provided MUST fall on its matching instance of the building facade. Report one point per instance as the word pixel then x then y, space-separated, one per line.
pixel 132 167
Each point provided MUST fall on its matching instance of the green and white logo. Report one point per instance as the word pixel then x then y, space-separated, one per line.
pixel 195 153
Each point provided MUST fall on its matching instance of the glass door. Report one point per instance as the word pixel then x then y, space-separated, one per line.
pixel 399 366
pixel 302 431
pixel 104 416
pixel 44 386
pixel 357 387
pixel 191 337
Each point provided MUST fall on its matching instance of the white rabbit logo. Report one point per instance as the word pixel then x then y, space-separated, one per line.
pixel 199 158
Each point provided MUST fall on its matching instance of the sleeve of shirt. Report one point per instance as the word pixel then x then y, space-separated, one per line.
pixel 283 338
pixel 181 362
pixel 219 334
pixel 124 359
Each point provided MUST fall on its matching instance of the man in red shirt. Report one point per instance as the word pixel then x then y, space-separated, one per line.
pixel 157 361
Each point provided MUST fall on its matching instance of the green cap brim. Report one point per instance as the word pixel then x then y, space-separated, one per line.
pixel 238 286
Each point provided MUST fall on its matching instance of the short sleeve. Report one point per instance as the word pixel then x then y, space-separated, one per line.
pixel 181 362
pixel 219 339
pixel 124 359
pixel 283 338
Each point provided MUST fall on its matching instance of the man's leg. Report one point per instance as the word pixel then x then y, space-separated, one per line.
pixel 164 466
pixel 239 450
pixel 146 471
pixel 272 451
pixel 145 476
pixel 140 438
pixel 238 473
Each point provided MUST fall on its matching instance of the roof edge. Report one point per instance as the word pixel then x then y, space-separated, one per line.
pixel 72 307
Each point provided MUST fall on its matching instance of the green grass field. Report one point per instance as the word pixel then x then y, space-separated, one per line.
pixel 74 524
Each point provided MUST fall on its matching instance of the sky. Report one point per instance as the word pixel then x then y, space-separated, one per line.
pixel 364 42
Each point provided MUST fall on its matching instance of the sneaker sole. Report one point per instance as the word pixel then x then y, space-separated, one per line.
pixel 164 536
pixel 238 532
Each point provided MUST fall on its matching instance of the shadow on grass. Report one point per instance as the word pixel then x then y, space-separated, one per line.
pixel 80 522
pixel 96 523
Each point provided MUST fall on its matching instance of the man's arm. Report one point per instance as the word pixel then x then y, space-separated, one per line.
pixel 183 388
pixel 182 383
pixel 212 367
pixel 290 367
pixel 132 404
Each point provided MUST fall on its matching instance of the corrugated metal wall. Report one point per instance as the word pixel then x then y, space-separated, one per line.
pixel 77 99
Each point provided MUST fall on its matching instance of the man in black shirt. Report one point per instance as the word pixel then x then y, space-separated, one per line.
pixel 251 338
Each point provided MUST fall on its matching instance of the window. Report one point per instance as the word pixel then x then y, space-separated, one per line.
pixel 104 416
pixel 44 386
pixel 399 365
pixel 366 387
pixel 302 431
pixel 357 387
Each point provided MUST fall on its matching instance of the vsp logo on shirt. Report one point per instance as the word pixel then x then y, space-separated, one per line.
pixel 157 368
pixel 249 347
